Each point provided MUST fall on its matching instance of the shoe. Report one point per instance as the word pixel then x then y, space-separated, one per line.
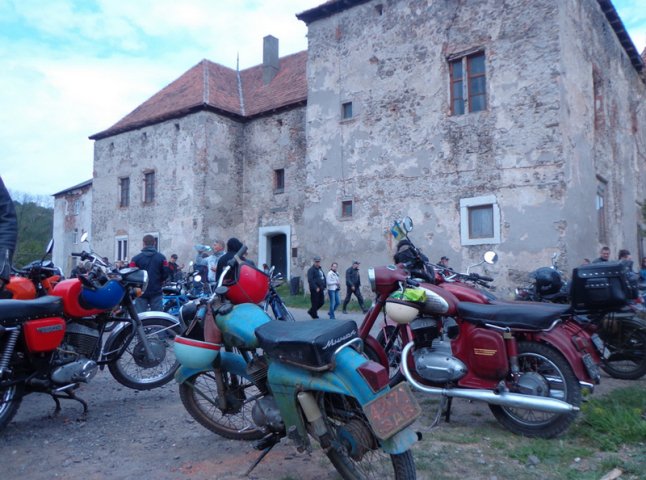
pixel 365 310
pixel 345 312
pixel 311 314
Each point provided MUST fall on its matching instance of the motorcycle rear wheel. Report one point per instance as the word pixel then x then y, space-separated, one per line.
pixel 10 399
pixel 350 431
pixel 536 358
pixel 133 370
pixel 627 346
pixel 199 395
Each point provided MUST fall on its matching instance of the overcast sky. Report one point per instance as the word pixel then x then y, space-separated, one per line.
pixel 72 68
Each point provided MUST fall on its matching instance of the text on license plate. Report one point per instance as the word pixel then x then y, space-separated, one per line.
pixel 393 411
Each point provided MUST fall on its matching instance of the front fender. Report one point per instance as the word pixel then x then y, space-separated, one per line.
pixel 230 362
pixel 167 316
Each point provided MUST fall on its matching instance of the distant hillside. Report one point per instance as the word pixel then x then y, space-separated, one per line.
pixel 35 227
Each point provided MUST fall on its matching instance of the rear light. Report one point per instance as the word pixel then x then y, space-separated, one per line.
pixel 374 374
pixel 580 343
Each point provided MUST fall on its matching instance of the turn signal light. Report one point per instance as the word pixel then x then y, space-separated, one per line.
pixel 374 374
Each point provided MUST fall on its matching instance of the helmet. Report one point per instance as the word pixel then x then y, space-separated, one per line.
pixel 106 297
pixel 547 281
pixel 401 311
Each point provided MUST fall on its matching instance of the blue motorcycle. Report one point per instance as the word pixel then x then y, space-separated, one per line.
pixel 247 377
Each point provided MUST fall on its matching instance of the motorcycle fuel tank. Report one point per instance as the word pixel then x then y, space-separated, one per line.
pixel 238 326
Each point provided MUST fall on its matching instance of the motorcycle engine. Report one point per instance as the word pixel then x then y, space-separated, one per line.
pixel 425 330
pixel 265 413
pixel 437 364
pixel 81 338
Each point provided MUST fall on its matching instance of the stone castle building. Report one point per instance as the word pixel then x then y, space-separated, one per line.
pixel 514 126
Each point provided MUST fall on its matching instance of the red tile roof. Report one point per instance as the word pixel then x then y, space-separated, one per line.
pixel 211 86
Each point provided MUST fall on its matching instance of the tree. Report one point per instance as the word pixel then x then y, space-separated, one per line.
pixel 35 227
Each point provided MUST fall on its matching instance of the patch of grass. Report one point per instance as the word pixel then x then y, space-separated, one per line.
pixel 552 450
pixel 302 300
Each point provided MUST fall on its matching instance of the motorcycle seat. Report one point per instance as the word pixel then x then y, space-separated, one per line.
pixel 15 311
pixel 310 345
pixel 520 315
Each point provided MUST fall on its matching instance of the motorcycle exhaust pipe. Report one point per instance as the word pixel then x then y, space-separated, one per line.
pixel 505 399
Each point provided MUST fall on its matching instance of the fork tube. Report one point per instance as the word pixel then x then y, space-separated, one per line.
pixel 371 317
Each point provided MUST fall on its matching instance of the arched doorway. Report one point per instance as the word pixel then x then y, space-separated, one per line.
pixel 273 248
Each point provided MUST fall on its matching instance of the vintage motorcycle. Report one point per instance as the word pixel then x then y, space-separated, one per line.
pixel 620 326
pixel 523 360
pixel 247 377
pixel 36 279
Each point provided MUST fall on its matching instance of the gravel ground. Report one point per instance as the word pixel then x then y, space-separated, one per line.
pixel 147 434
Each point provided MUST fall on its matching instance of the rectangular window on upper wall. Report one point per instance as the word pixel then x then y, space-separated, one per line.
pixel 346 209
pixel 121 248
pixel 279 180
pixel 600 201
pixel 468 83
pixel 479 220
pixel 124 192
pixel 149 187
pixel 75 236
pixel 346 111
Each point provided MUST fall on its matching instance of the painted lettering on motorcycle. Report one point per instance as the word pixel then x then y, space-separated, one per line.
pixel 50 328
pixel 335 341
pixel 485 352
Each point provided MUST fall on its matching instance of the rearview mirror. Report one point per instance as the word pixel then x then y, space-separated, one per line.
pixel 490 257
pixel 407 223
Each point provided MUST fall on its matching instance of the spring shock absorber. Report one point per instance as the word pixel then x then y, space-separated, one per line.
pixel 8 350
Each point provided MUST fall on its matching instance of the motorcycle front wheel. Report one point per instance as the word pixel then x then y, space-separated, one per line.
pixel 351 446
pixel 546 371
pixel 394 353
pixel 133 369
pixel 10 398
pixel 625 339
pixel 281 312
pixel 199 395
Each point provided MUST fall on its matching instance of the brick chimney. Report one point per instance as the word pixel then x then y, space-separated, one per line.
pixel 270 63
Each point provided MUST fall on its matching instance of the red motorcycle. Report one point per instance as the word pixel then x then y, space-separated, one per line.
pixel 524 360
pixel 35 279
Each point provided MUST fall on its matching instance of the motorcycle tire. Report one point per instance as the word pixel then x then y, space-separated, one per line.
pixel 394 355
pixel 627 346
pixel 10 398
pixel 542 362
pixel 353 449
pixel 132 369
pixel 199 395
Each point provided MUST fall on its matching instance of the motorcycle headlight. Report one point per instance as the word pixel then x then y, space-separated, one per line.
pixel 372 279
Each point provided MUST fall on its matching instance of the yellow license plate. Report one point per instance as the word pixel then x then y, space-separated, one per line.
pixel 393 411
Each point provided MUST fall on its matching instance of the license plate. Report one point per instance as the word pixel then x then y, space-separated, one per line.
pixel 393 411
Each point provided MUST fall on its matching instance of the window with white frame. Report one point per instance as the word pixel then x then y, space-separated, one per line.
pixel 479 220
pixel 121 248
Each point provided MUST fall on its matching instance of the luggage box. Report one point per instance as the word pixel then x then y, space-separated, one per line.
pixel 600 286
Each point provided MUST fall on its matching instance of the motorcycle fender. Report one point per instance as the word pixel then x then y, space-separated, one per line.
pixel 286 381
pixel 164 315
pixel 562 341
pixel 231 362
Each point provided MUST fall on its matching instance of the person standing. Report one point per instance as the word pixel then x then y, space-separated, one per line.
pixel 604 255
pixel 316 281
pixel 218 252
pixel 174 270
pixel 642 271
pixel 156 265
pixel 333 283
pixel 8 234
pixel 233 246
pixel 353 285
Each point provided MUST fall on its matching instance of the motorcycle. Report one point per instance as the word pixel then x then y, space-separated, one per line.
pixel 175 294
pixel 620 328
pixel 272 299
pixel 246 377
pixel 523 360
pixel 35 279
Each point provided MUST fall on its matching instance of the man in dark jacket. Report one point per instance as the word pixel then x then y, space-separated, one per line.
pixel 353 286
pixel 157 267
pixel 316 281
pixel 8 234
pixel 233 246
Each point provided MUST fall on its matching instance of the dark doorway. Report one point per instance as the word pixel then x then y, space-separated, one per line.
pixel 278 253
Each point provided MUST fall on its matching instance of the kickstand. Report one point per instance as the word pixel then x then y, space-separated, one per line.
pixel 68 395
pixel 447 411
pixel 259 459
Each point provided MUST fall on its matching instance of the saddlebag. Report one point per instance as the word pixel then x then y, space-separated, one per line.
pixel 307 344
pixel 600 286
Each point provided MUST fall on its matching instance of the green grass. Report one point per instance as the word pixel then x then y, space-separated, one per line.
pixel 303 300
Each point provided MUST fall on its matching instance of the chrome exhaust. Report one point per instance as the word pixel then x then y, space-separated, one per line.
pixel 505 399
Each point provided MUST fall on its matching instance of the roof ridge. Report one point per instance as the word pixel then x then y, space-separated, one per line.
pixel 205 79
pixel 240 91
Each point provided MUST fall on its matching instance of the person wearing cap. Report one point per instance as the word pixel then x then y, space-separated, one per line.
pixel 444 262
pixel 316 281
pixel 353 285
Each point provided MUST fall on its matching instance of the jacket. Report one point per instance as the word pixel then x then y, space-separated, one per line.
pixel 8 232
pixel 157 267
pixel 352 278
pixel 316 278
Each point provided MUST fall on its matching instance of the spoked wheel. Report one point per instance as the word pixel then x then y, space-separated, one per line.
pixel 625 339
pixel 10 399
pixel 281 312
pixel 544 373
pixel 393 348
pixel 199 394
pixel 352 447
pixel 134 369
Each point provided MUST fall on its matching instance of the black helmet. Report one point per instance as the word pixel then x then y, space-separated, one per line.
pixel 547 281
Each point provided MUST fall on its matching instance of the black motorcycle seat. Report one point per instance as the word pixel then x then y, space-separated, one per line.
pixel 13 311
pixel 517 315
pixel 309 344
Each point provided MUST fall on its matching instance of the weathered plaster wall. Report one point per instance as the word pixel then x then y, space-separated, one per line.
pixel 66 221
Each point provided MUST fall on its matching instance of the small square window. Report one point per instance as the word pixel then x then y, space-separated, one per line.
pixel 279 180
pixel 346 110
pixel 346 209
pixel 479 220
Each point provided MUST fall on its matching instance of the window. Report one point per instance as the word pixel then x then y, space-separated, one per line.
pixel 346 209
pixel 346 110
pixel 279 180
pixel 479 220
pixel 124 192
pixel 121 248
pixel 468 84
pixel 75 236
pixel 601 210
pixel 149 187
